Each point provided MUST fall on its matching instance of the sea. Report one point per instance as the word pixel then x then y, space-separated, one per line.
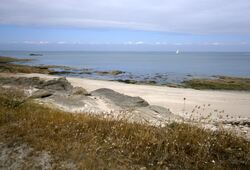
pixel 162 67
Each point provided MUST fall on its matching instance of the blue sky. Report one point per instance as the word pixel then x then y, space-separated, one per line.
pixel 139 25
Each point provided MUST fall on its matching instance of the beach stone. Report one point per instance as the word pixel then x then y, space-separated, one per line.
pixel 113 72
pixel 164 111
pixel 128 81
pixel 116 72
pixel 151 82
pixel 159 109
pixel 61 72
pixel 119 99
pixel 41 94
pixel 154 115
pixel 79 91
pixel 60 84
pixel 34 81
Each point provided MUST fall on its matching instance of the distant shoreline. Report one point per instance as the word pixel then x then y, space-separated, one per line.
pixel 10 64
pixel 156 68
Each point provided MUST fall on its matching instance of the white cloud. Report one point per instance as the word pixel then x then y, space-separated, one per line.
pixel 216 43
pixel 132 43
pixel 36 42
pixel 61 42
pixel 245 43
pixel 178 43
pixel 128 43
pixel 139 42
pixel 192 16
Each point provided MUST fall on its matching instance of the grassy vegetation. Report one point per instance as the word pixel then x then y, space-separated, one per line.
pixel 10 59
pixel 95 143
pixel 15 68
pixel 219 83
pixel 6 66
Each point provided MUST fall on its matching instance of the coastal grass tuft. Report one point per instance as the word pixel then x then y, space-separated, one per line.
pixel 219 83
pixel 90 142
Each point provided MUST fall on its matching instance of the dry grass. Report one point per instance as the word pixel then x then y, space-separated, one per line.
pixel 219 83
pixel 94 143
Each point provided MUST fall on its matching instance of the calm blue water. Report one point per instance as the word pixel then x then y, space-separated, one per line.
pixel 201 64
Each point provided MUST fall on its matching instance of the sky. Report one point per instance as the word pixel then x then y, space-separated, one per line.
pixel 124 25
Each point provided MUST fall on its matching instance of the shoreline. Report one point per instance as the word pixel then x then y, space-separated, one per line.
pixel 213 82
pixel 222 103
pixel 187 102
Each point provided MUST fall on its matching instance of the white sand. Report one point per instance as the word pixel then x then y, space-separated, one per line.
pixel 232 103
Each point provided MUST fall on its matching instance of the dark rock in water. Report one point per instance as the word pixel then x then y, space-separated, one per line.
pixel 173 85
pixel 151 82
pixel 120 99
pixel 61 72
pixel 85 72
pixel 113 72
pixel 35 54
pixel 79 91
pixel 128 81
pixel 116 72
pixel 60 84
pixel 41 94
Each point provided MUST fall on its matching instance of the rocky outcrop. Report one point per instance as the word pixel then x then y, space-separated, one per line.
pixel 60 84
pixel 79 91
pixel 119 99
pixel 131 81
pixel 41 94
pixel 35 82
pixel 61 94
pixel 155 115
pixel 113 72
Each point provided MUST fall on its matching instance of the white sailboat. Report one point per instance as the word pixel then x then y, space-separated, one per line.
pixel 177 51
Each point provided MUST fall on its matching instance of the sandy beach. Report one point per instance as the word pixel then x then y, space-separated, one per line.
pixel 219 103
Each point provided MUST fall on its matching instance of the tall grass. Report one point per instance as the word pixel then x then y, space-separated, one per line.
pixel 95 143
